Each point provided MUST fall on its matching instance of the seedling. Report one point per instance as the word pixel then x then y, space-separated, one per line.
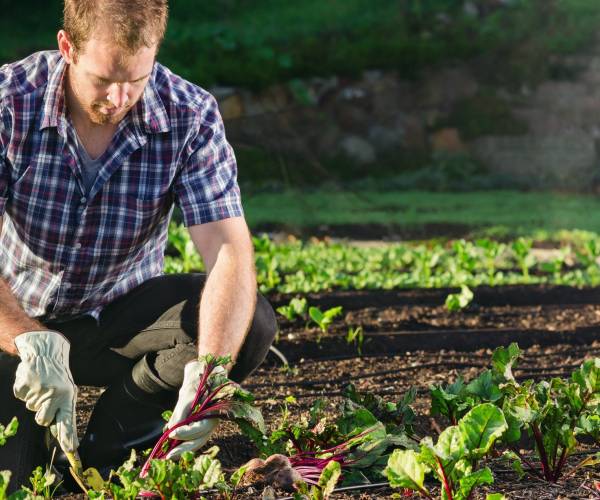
pixel 459 301
pixel 525 259
pixel 356 336
pixel 42 484
pixel 324 319
pixel 8 431
pixel 295 309
pixel 492 250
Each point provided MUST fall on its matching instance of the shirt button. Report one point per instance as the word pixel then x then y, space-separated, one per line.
pixel 77 246
pixel 67 286
pixel 83 199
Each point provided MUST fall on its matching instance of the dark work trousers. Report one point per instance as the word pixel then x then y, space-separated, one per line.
pixel 150 332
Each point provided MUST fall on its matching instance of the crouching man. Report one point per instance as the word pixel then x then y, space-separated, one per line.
pixel 98 142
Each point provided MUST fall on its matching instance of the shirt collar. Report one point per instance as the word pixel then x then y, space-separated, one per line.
pixel 149 113
pixel 53 108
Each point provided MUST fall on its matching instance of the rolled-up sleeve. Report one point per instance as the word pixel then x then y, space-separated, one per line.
pixel 206 188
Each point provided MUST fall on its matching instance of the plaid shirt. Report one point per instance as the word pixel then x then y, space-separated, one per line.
pixel 65 252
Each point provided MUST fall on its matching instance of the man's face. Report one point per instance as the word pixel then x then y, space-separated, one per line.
pixel 105 80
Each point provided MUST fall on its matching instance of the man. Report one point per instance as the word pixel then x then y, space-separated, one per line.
pixel 98 141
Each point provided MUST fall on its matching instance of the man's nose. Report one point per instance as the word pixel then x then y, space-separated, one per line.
pixel 118 94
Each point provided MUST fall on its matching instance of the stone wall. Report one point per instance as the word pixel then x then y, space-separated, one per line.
pixel 547 136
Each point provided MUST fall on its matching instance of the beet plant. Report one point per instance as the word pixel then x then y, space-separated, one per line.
pixel 454 459
pixel 216 397
pixel 300 452
pixel 455 400
pixel 398 417
pixel 325 485
pixel 554 414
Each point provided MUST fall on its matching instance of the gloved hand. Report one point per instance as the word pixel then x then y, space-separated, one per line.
pixel 196 434
pixel 44 382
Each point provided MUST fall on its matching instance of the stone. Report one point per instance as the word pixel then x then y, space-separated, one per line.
pixel 231 107
pixel 559 96
pixel 442 88
pixel 470 9
pixel 389 97
pixel 383 138
pixel 327 140
pixel 352 118
pixel 592 72
pixel 352 93
pixel 564 160
pixel 273 99
pixel 414 134
pixel 447 140
pixel 324 89
pixel 357 149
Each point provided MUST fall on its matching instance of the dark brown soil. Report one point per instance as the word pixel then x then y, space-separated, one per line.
pixel 391 373
pixel 400 320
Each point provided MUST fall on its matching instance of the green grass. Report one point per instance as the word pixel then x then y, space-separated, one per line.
pixel 508 212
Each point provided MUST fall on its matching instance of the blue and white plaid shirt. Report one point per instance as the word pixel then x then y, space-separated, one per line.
pixel 66 252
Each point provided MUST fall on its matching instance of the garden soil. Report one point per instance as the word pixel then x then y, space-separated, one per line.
pixel 391 374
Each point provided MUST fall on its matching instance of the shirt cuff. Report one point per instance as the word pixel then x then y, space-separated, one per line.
pixel 211 212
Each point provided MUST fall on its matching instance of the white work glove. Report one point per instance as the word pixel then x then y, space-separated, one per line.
pixel 44 382
pixel 196 434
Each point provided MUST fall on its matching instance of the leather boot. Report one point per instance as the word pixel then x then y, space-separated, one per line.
pixel 125 417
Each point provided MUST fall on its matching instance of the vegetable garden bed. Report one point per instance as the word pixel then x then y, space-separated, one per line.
pixel 388 368
pixel 391 377
pixel 396 321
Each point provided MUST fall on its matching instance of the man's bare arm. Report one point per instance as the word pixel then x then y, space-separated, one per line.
pixel 229 295
pixel 13 320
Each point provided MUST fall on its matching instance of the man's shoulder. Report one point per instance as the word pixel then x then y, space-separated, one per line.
pixel 180 92
pixel 27 75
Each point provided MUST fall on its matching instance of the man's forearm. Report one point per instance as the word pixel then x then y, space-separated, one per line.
pixel 227 304
pixel 13 320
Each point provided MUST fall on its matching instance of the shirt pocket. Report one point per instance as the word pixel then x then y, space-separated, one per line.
pixel 133 223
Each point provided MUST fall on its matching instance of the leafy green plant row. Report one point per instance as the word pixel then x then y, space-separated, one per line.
pixel 298 267
pixel 367 438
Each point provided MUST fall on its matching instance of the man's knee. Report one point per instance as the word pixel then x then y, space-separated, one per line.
pixel 164 369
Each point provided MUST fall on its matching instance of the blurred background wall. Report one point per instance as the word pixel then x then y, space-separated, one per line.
pixel 385 94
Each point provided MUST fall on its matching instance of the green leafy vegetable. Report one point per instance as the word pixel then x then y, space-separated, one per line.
pixel 453 458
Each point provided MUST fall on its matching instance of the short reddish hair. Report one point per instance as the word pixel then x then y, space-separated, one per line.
pixel 133 24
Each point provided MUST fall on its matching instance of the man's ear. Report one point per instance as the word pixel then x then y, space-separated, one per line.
pixel 66 48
